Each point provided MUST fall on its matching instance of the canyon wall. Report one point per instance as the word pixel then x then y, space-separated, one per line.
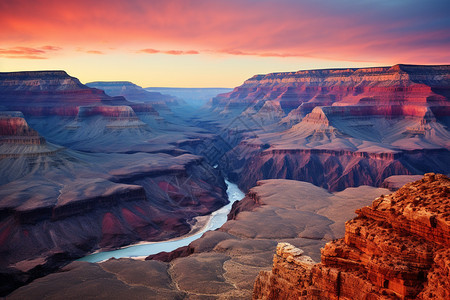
pixel 396 248
pixel 339 128
pixel 45 93
pixel 395 84
pixel 331 169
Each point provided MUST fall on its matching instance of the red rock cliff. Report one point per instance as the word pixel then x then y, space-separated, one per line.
pixel 397 248
pixel 41 93
pixel 396 84
pixel 387 120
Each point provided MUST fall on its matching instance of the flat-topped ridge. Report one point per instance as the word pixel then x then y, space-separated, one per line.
pixel 424 69
pixel 39 81
pixel 27 74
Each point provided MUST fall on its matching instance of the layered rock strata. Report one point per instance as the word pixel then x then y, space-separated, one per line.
pixel 339 128
pixel 15 130
pixel 397 248
pixel 44 93
pixel 396 84
pixel 18 139
pixel 113 117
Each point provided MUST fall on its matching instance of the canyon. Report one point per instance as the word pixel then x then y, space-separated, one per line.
pixel 222 263
pixel 81 170
pixel 100 166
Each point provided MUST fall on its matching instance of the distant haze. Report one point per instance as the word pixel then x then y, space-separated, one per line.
pixel 193 96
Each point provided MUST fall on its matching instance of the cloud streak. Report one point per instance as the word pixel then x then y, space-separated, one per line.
pixel 385 31
pixel 28 52
pixel 170 52
pixel 95 52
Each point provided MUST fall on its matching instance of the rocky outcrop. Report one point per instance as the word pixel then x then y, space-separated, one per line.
pixel 290 275
pixel 18 139
pixel 15 130
pixel 397 248
pixel 118 112
pixel 111 117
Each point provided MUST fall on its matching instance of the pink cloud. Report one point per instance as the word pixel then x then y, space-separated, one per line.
pixel 384 31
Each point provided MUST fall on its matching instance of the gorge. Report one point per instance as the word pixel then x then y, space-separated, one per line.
pixel 213 221
pixel 86 170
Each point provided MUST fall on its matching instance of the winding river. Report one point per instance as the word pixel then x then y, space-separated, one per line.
pixel 216 220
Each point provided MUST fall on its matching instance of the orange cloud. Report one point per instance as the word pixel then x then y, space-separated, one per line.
pixel 179 52
pixel 94 52
pixel 51 48
pixel 149 51
pixel 171 52
pixel 191 52
pixel 27 52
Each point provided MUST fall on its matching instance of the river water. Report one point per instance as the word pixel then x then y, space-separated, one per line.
pixel 216 220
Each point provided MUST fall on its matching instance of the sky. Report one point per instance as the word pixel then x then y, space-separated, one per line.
pixel 215 43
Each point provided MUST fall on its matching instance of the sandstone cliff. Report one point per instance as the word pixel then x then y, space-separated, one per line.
pixel 396 84
pixel 397 248
pixel 339 128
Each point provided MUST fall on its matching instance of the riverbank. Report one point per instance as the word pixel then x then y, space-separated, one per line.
pixel 142 249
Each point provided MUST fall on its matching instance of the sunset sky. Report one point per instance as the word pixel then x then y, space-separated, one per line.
pixel 213 43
